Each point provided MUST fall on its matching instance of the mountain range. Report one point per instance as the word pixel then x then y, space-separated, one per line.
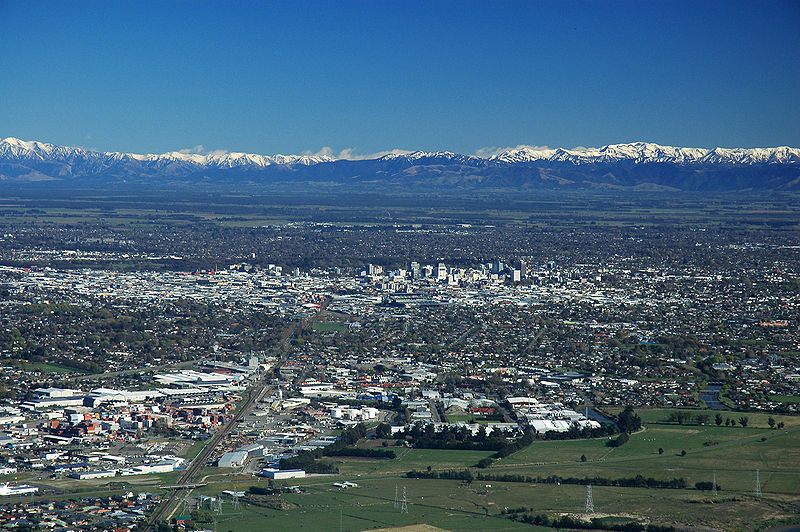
pixel 637 166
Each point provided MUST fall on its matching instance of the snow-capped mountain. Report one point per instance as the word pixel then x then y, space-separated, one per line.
pixel 645 152
pixel 442 156
pixel 13 148
pixel 632 165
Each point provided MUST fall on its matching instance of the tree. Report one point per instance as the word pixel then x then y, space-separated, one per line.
pixel 683 452
pixel 485 462
pixel 771 422
pixel 743 421
pixel 660 450
pixel 628 421
pixel 202 516
pixel 583 458
pixel 718 419
pixel 780 425
pixel 619 441
pixel 702 419
pixel 383 431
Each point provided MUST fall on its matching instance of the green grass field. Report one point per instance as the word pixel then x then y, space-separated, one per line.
pixel 68 487
pixel 785 398
pixel 756 419
pixel 468 418
pixel 329 326
pixel 195 449
pixel 408 459
pixel 457 418
pixel 454 505
pixel 447 504
pixel 44 367
pixel 735 457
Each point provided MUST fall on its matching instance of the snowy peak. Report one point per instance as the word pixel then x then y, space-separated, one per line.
pixel 14 148
pixel 430 157
pixel 637 164
pixel 779 155
pixel 635 152
pixel 645 152
pixel 522 154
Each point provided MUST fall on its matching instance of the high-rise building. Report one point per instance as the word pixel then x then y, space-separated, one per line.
pixel 414 270
pixel 441 271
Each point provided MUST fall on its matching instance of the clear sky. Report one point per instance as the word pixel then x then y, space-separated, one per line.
pixel 289 77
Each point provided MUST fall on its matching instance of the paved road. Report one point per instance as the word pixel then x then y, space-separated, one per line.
pixel 435 417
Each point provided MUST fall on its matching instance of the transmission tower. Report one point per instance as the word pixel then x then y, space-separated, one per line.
pixel 714 485
pixel 404 507
pixel 236 506
pixel 396 501
pixel 218 504
pixel 758 485
pixel 186 504
pixel 589 508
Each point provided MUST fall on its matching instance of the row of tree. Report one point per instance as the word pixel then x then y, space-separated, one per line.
pixel 638 481
pixel 575 523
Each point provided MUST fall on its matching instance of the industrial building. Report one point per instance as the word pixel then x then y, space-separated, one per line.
pixel 280 474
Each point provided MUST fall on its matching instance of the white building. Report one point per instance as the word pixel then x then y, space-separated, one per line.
pixel 22 489
pixel 232 459
pixel 101 473
pixel 279 474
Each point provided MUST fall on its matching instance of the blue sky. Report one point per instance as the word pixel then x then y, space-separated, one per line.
pixel 289 77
